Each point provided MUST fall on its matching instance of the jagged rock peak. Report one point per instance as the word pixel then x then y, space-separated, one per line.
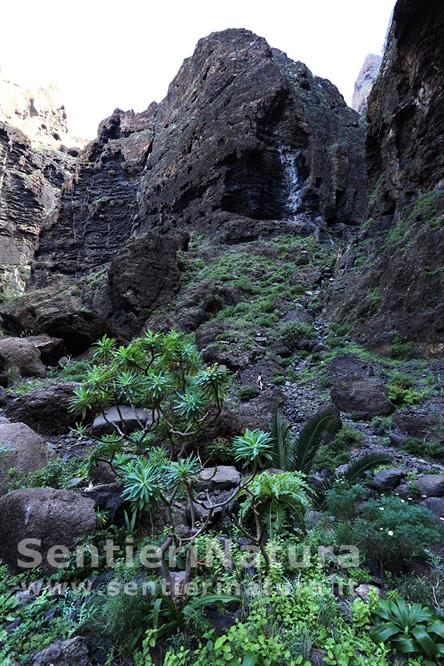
pixel 39 114
pixel 364 83
pixel 245 139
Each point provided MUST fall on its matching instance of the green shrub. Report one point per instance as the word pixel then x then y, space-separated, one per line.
pixel 291 332
pixel 276 501
pixel 389 529
pixel 423 448
pixel 342 499
pixel 402 348
pixel 69 370
pixel 246 393
pixel 162 373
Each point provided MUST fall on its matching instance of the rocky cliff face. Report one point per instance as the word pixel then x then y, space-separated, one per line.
pixel 244 138
pixel 30 182
pixel 397 288
pixel 39 114
pixel 364 83
pixel 246 131
pixel 99 205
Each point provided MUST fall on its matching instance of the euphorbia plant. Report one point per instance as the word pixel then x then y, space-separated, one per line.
pixel 173 393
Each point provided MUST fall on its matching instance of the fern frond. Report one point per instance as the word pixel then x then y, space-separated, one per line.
pixel 364 463
pixel 310 439
pixel 282 439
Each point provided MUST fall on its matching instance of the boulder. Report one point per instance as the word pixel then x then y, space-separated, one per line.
pixel 422 421
pixel 363 591
pixel 221 477
pixel 27 452
pixel 46 410
pixel 387 479
pixel 107 497
pixel 430 485
pixel 21 354
pixel 350 368
pixel 73 652
pixel 436 506
pixel 51 517
pixel 366 397
pixel 59 312
pixel 126 418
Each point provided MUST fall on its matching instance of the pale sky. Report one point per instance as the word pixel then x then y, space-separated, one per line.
pixel 104 54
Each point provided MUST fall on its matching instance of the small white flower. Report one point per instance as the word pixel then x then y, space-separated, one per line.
pixel 403 501
pixel 423 495
pixel 390 533
pixel 409 499
pixel 381 508
pixel 380 529
pixel 441 517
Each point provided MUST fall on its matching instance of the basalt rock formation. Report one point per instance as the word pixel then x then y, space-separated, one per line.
pixel 244 130
pixel 99 205
pixel 397 288
pixel 244 135
pixel 30 183
pixel 364 83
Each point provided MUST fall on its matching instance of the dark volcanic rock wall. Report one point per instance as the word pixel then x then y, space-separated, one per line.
pixel 244 134
pixel 397 289
pixel 99 205
pixel 245 130
pixel 30 182
pixel 405 141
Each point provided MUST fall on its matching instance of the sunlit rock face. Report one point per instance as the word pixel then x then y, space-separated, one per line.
pixel 364 83
pixel 244 138
pixel 39 114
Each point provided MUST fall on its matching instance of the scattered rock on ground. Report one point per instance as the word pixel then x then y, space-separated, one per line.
pixel 73 652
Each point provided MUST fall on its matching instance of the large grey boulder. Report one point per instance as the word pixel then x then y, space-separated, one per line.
pixel 46 410
pixel 50 518
pixel 365 397
pixel 25 451
pixel 430 485
pixel 22 355
pixel 124 417
pixel 220 477
pixel 387 479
